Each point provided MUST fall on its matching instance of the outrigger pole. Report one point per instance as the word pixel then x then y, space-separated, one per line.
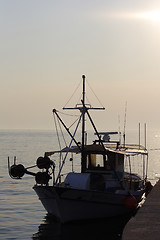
pixel 72 137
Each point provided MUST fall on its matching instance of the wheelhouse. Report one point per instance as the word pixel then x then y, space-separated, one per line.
pixel 98 160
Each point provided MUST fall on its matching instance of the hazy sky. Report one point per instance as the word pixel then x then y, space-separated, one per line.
pixel 46 46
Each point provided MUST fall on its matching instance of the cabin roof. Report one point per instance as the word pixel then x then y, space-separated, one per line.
pixel 128 149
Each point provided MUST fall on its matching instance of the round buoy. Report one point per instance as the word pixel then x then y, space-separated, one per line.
pixel 130 202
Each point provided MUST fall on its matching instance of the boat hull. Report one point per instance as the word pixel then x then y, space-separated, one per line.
pixel 74 204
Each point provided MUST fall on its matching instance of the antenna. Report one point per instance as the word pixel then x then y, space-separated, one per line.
pixel 145 135
pixel 139 135
pixel 119 128
pixel 124 131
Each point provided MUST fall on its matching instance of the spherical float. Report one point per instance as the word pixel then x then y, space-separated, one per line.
pixel 130 202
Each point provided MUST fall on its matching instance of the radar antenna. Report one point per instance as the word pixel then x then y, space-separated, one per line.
pixel 124 131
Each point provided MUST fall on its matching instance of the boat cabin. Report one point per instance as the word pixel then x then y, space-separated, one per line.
pixel 98 160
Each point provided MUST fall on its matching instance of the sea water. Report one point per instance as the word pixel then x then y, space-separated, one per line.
pixel 22 215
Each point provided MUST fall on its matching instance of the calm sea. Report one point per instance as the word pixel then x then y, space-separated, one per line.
pixel 21 214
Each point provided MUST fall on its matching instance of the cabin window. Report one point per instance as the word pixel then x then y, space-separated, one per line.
pixel 97 162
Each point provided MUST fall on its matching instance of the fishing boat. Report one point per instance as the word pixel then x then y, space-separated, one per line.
pixel 107 184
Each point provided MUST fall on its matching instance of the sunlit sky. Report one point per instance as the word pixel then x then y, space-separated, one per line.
pixel 46 47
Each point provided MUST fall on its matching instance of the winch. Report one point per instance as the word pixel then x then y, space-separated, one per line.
pixel 17 171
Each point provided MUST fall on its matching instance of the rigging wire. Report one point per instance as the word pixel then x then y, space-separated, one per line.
pixel 73 94
pixel 71 115
pixel 59 143
pixel 73 123
pixel 88 100
pixel 80 96
pixel 124 131
pixel 62 133
pixel 94 93
pixel 59 174
pixel 119 128
pixel 61 156
pixel 67 114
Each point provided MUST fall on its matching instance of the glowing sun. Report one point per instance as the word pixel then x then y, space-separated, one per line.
pixel 153 15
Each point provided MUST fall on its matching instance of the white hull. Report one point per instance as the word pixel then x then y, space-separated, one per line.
pixel 72 204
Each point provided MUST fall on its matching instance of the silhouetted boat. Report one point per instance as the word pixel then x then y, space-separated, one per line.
pixel 103 188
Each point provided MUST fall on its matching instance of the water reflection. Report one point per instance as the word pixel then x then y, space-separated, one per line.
pixel 109 229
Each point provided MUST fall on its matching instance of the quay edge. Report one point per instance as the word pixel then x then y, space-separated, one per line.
pixel 146 223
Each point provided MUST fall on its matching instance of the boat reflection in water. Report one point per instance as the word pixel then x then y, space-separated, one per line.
pixel 109 229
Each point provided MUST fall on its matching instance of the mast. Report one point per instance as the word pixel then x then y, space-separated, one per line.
pixel 83 109
pixel 83 126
